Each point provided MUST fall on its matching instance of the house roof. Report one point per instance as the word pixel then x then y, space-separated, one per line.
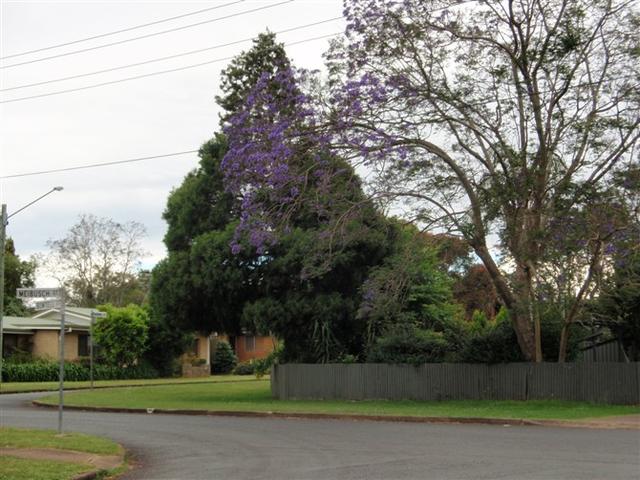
pixel 76 318
pixel 27 325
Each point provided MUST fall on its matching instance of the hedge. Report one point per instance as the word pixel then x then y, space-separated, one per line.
pixel 48 372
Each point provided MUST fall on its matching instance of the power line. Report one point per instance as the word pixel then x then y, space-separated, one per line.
pixel 115 32
pixel 120 42
pixel 140 159
pixel 94 165
pixel 152 74
pixel 169 57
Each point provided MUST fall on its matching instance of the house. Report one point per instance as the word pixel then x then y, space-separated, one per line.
pixel 249 347
pixel 40 335
pixel 246 347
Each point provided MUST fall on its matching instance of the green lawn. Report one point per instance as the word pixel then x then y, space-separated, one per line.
pixel 15 468
pixel 12 468
pixel 22 438
pixel 16 387
pixel 256 397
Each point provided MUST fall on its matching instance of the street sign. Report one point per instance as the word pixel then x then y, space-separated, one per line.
pixel 95 314
pixel 45 304
pixel 39 292
pixel 59 294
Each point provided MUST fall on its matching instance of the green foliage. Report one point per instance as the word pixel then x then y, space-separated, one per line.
pixel 408 344
pixel 44 371
pixel 410 288
pixel 245 368
pixel 618 307
pixel 491 341
pixel 224 360
pixel 201 285
pixel 164 345
pixel 244 71
pixel 123 334
pixel 262 366
pixel 307 299
pixel 201 203
pixel 17 274
pixel 494 341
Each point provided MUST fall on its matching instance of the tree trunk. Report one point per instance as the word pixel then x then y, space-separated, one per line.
pixel 564 340
pixel 526 335
pixel 523 318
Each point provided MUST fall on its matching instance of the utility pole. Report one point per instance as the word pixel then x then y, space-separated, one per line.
pixel 63 300
pixel 4 221
pixel 3 235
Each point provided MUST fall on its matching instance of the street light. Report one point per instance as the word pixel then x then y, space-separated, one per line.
pixel 4 221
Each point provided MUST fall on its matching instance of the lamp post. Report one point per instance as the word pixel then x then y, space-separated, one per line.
pixel 4 221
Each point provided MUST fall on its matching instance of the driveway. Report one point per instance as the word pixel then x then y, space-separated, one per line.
pixel 191 447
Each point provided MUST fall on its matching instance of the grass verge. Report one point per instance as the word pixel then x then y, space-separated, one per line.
pixel 256 397
pixel 12 468
pixel 34 468
pixel 22 438
pixel 18 387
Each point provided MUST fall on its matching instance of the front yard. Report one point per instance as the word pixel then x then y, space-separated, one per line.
pixel 255 396
pixel 16 387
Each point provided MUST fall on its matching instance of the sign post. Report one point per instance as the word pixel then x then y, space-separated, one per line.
pixel 59 295
pixel 94 314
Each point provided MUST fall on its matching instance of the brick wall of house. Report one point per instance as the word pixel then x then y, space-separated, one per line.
pixel 248 347
pixel 46 344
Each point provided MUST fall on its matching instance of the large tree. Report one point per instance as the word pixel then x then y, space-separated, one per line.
pixel 98 260
pixel 225 271
pixel 495 118
pixel 499 121
pixel 18 273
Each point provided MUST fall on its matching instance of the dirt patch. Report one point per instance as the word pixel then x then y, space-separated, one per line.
pixel 626 422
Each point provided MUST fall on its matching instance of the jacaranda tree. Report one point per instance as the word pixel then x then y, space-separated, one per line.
pixel 493 120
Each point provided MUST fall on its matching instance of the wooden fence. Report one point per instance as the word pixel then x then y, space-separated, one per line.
pixel 614 383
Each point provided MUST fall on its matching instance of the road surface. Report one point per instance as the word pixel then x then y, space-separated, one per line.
pixel 192 447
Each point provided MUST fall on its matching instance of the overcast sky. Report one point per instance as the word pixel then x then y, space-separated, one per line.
pixel 161 114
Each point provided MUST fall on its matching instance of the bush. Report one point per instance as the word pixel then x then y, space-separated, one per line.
pixel 224 360
pixel 408 344
pixel 492 341
pixel 263 365
pixel 123 334
pixel 45 371
pixel 496 342
pixel 245 368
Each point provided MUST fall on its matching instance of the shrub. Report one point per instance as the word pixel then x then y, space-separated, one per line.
pixel 20 356
pixel 224 360
pixel 496 342
pixel 245 368
pixel 408 344
pixel 492 341
pixel 44 371
pixel 123 334
pixel 263 365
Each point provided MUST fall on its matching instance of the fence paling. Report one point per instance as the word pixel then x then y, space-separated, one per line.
pixel 616 383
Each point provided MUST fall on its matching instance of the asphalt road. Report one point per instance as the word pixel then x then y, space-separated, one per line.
pixel 191 447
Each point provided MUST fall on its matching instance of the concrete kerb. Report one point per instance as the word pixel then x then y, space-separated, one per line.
pixel 353 417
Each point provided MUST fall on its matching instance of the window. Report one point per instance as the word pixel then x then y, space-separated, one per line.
pixel 249 343
pixel 83 345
